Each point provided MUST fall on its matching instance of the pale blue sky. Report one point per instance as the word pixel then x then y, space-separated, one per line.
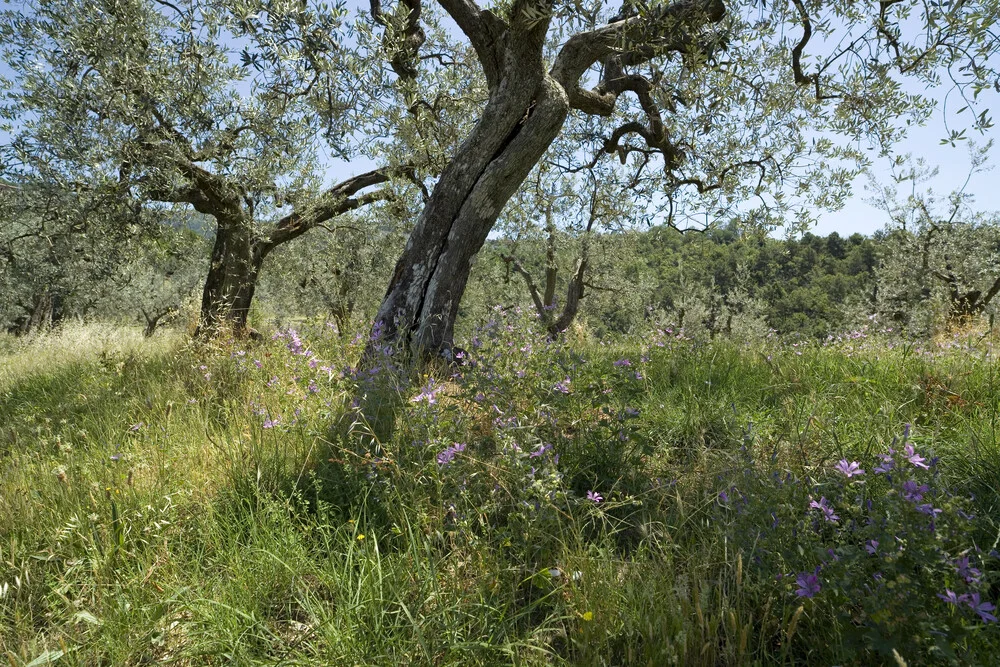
pixel 953 165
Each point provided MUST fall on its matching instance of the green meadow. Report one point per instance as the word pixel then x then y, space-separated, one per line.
pixel 650 501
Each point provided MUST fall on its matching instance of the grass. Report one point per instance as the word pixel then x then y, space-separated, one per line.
pixel 164 502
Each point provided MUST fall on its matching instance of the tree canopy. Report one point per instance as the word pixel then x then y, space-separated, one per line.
pixel 758 110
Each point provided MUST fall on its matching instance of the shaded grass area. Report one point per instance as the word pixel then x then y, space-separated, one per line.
pixel 199 505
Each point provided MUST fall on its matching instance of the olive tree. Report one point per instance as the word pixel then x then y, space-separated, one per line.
pixel 726 103
pixel 223 106
pixel 58 250
pixel 941 258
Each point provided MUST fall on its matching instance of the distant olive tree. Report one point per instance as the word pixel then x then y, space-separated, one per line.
pixel 941 256
pixel 223 106
pixel 58 250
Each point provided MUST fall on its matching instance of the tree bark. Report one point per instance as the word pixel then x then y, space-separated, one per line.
pixel 239 250
pixel 231 282
pixel 46 311
pixel 516 129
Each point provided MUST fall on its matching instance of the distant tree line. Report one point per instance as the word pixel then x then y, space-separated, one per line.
pixel 58 262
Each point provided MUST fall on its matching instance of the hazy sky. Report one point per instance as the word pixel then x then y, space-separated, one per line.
pixel 953 165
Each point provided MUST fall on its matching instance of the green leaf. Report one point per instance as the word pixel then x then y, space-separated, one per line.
pixel 46 658
pixel 86 617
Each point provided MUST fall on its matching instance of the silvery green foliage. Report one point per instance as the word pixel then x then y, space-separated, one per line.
pixel 776 111
pixel 225 106
pixel 941 255
pixel 57 249
pixel 713 108
pixel 124 94
pixel 337 274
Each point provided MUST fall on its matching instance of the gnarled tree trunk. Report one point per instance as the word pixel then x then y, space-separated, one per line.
pixel 46 311
pixel 526 110
pixel 231 280
pixel 240 249
pixel 517 127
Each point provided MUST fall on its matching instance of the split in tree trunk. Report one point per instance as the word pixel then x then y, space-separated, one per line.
pixel 421 304
pixel 231 281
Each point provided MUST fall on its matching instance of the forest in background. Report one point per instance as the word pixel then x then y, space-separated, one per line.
pixel 715 281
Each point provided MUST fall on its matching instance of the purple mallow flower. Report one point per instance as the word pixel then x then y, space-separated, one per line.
pixel 448 454
pixel 984 609
pixel 851 469
pixel 914 492
pixel 428 394
pixel 824 506
pixel 594 496
pixel 871 546
pixel 950 597
pixel 887 463
pixel 808 585
pixel 539 451
pixel 914 458
pixel 966 571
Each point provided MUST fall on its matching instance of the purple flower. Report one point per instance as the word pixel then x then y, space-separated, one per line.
pixel 136 427
pixel 824 506
pixel 562 387
pixel 851 469
pixel 913 492
pixel 914 458
pixel 428 394
pixel 887 463
pixel 594 496
pixel 271 423
pixel 871 546
pixel 116 456
pixel 984 609
pixel 927 508
pixel 723 496
pixel 808 585
pixel 540 451
pixel 621 363
pixel 966 571
pixel 448 454
pixel 950 597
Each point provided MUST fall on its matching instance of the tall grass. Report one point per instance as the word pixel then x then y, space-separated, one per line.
pixel 644 501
